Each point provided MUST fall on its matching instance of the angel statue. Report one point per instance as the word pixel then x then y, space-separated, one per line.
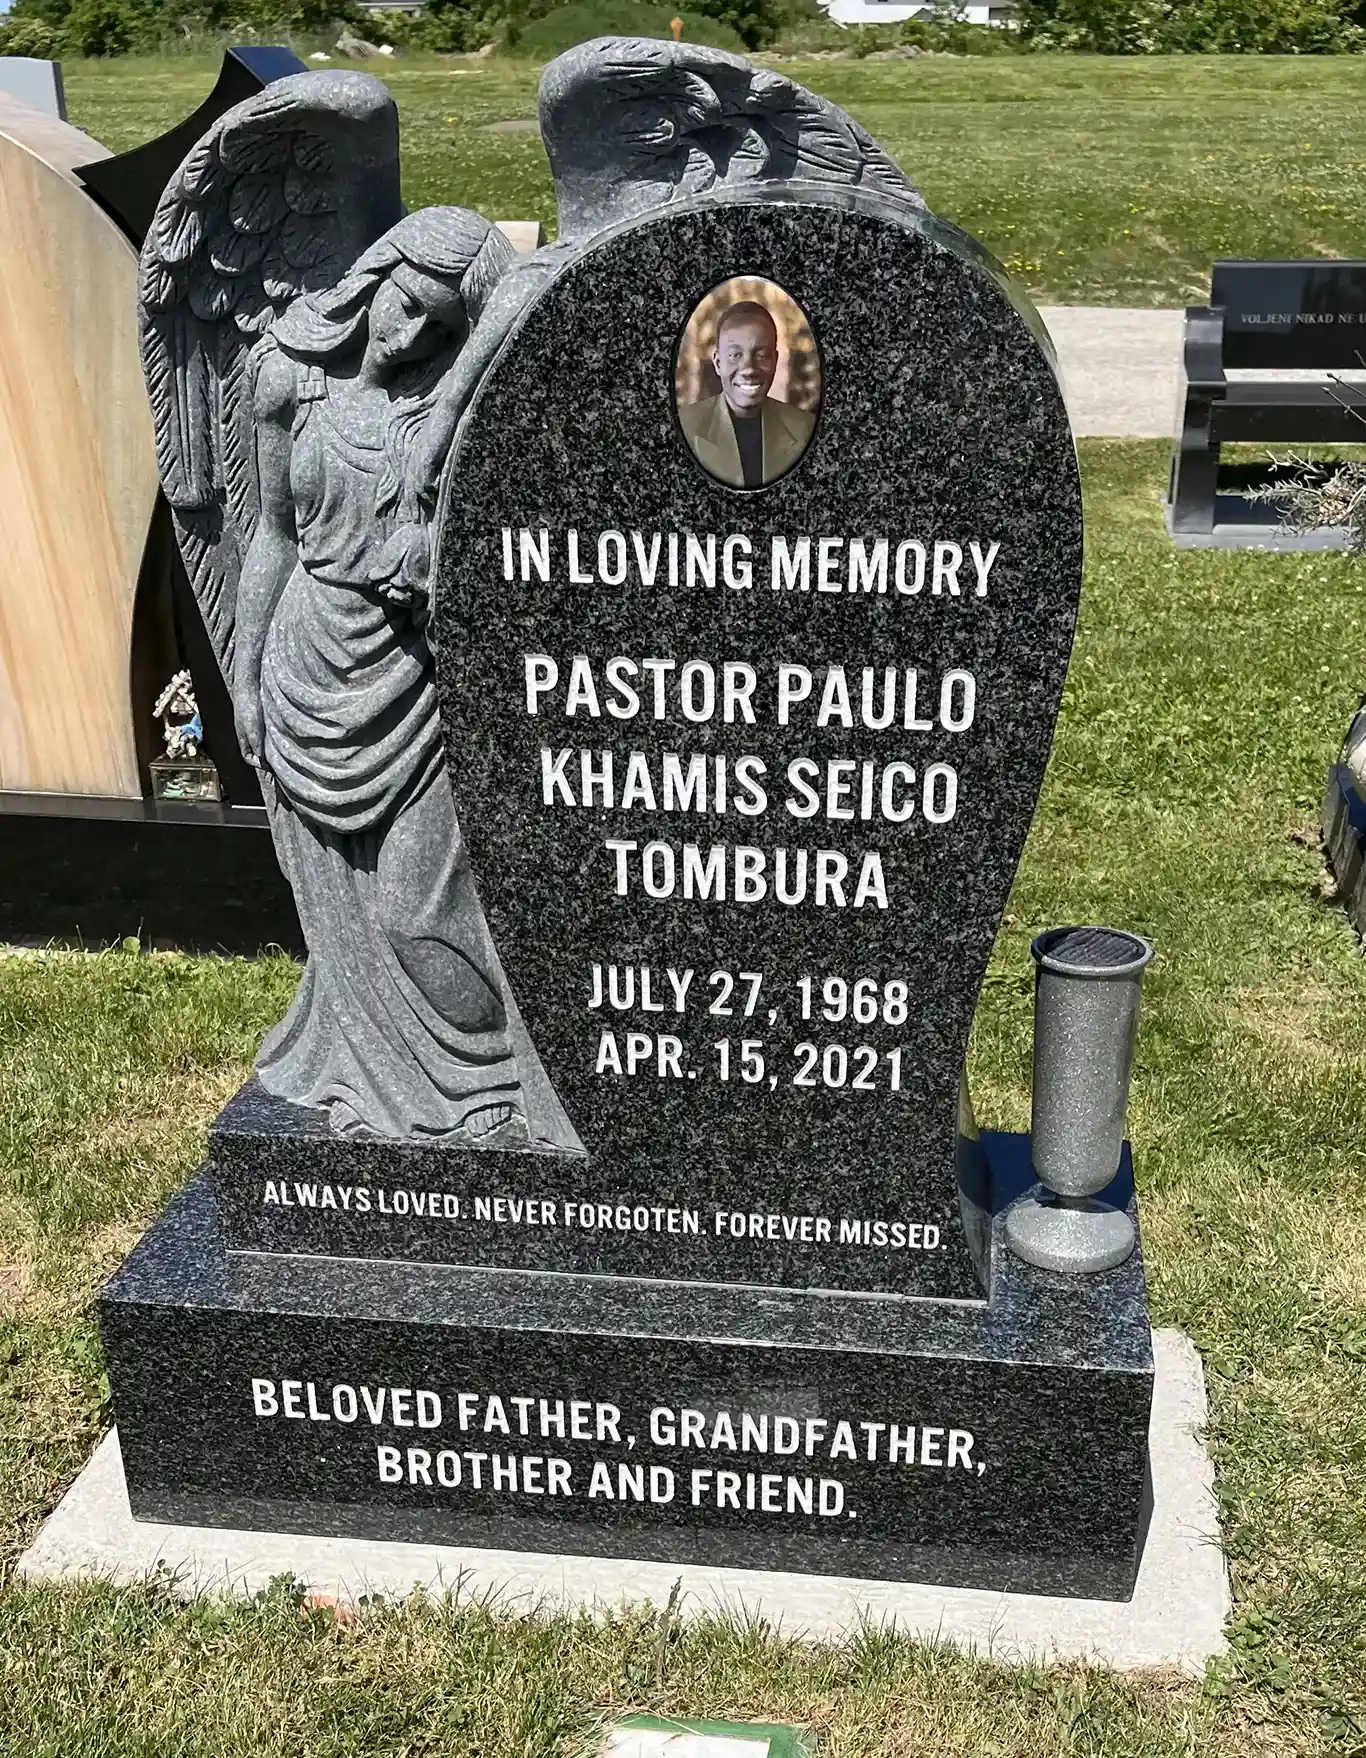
pixel 309 349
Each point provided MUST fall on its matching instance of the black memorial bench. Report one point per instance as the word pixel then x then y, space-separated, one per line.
pixel 1267 317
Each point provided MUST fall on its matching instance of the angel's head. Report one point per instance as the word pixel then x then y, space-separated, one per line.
pixel 413 296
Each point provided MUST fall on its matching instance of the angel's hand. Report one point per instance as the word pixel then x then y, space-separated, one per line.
pixel 400 570
pixel 428 457
pixel 251 731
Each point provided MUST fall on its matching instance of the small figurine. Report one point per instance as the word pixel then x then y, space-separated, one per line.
pixel 184 738
pixel 184 773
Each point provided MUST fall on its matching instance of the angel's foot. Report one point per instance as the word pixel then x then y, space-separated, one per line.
pixel 501 1120
pixel 345 1121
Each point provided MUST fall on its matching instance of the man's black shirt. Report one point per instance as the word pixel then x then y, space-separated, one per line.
pixel 749 436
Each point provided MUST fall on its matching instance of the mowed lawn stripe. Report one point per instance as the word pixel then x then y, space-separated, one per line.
pixel 1111 181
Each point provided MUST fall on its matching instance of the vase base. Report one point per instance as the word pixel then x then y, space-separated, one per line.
pixel 1079 1236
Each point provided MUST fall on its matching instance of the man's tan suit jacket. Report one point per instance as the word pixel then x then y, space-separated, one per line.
pixel 708 430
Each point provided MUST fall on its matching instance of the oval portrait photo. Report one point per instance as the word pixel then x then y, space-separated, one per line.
pixel 747 382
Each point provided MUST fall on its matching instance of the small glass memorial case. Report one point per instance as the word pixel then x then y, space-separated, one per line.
pixel 184 774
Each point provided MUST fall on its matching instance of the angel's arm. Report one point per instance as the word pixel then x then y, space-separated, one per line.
pixel 513 293
pixel 274 548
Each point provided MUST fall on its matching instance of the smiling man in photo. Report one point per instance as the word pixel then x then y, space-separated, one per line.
pixel 744 436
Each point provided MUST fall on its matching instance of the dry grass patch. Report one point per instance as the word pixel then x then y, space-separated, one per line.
pixel 1343 1260
pixel 107 1247
pixel 16 1289
pixel 1314 1254
pixel 174 1108
pixel 1308 1026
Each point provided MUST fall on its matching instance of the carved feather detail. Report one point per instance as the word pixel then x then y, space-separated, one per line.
pixel 634 124
pixel 264 208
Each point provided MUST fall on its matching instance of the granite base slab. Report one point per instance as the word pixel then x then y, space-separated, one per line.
pixel 1344 841
pixel 1241 524
pixel 999 1445
pixel 1174 1619
pixel 87 871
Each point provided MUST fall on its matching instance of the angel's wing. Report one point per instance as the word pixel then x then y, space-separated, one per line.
pixel 279 198
pixel 632 123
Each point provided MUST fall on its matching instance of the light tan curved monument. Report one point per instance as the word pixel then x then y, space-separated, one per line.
pixel 77 469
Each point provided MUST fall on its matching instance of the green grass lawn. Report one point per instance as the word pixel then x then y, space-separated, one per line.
pixel 1097 181
pixel 1206 699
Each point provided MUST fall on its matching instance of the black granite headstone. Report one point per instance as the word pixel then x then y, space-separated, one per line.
pixel 782 1328
pixel 1296 315
pixel 129 185
pixel 746 774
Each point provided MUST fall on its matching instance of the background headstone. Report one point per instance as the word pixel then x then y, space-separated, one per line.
pixel 77 469
pixel 129 186
pixel 89 632
pixel 35 83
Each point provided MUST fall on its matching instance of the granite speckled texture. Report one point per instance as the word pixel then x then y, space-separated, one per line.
pixel 1052 1381
pixel 282 1180
pixel 941 422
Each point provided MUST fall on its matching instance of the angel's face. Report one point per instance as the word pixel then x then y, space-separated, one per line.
pixel 412 317
pixel 746 361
